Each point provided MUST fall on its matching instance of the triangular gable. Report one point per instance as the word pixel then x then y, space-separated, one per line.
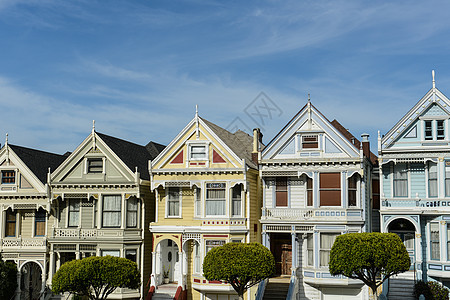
pixel 190 142
pixel 25 180
pixel 408 129
pixel 92 161
pixel 309 134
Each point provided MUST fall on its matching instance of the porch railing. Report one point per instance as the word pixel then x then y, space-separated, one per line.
pixel 13 242
pixel 95 233
pixel 312 214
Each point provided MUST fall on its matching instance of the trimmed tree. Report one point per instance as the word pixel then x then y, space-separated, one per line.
pixel 369 257
pixel 241 265
pixel 8 279
pixel 96 277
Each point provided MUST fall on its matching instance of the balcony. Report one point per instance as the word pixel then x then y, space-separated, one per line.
pixel 312 214
pixel 13 243
pixel 94 233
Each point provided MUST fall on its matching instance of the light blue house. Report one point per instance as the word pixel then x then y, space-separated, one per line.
pixel 414 159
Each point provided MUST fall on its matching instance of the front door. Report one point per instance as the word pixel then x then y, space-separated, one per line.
pixel 408 240
pixel 281 248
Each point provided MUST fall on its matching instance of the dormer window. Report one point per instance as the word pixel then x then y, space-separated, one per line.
pixel 8 177
pixel 310 141
pixel 428 130
pixel 440 130
pixel 95 165
pixel 434 130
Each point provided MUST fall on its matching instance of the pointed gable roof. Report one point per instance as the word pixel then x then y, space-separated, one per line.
pixel 239 142
pixel 38 161
pixel 433 97
pixel 133 155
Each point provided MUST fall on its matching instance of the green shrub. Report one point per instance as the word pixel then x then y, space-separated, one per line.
pixel 422 288
pixel 8 279
pixel 438 291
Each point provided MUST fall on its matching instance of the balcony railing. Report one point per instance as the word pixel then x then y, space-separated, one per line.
pixel 86 233
pixel 13 242
pixel 312 214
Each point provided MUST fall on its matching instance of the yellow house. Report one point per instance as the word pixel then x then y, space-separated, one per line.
pixel 207 189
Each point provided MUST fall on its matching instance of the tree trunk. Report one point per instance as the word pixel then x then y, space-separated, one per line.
pixel 374 292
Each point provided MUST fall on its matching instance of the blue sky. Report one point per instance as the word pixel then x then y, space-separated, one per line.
pixel 139 67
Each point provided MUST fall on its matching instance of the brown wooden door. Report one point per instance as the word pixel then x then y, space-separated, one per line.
pixel 280 245
pixel 286 259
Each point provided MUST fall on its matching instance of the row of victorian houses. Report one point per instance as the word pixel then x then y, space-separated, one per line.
pixel 165 207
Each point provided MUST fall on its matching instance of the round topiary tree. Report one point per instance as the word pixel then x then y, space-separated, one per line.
pixel 369 257
pixel 96 277
pixel 241 265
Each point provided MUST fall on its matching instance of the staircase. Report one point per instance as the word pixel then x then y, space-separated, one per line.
pixel 401 286
pixel 276 289
pixel 165 291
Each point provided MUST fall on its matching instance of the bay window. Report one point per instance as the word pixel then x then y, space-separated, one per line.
pixel 215 199
pixel 326 242
pixel 111 213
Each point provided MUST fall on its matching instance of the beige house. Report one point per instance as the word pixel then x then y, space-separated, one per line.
pixel 207 194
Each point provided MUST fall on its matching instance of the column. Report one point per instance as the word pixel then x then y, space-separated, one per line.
pixel 51 265
pixel 44 279
pixel 316 189
pixel 294 243
pixel 181 277
pixel 153 281
pixel 19 274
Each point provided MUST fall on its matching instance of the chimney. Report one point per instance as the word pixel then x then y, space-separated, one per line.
pixel 365 144
pixel 257 136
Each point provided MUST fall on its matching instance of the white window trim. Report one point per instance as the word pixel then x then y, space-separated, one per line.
pixel 198 143
pixel 122 210
pixel 86 164
pixel 227 202
pixel 180 208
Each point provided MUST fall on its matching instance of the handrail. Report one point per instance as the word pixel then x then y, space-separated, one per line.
pixel 261 288
pixel 291 290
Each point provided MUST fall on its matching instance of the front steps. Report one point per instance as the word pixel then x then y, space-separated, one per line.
pixel 277 288
pixel 401 286
pixel 165 291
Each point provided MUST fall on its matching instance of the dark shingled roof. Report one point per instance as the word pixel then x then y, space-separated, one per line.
pixel 239 142
pixel 38 161
pixel 351 138
pixel 133 155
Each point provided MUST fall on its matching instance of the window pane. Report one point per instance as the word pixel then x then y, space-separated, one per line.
pixel 131 255
pixel 115 253
pixel 111 210
pixel 352 190
pixel 215 199
pixel 326 242
pixel 8 176
pixel 310 249
pixel 432 180
pixel 198 152
pixel 434 238
pixel 236 200
pixel 281 191
pixel 173 202
pixel 40 223
pixel 309 191
pixel 10 223
pixel 95 165
pixel 132 212
pixel 400 180
pixel 310 142
pixel 428 130
pixel 74 212
pixel 440 130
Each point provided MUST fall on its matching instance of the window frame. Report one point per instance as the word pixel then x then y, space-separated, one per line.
pixel 39 219
pixel 325 189
pixel 428 130
pixel 222 186
pixel 432 179
pixel 399 180
pixel 13 220
pixel 310 249
pixel 352 191
pixel 235 200
pixel 198 202
pixel 309 192
pixel 6 178
pixel 135 254
pixel 92 168
pixel 133 212
pixel 281 191
pixel 312 144
pixel 169 200
pixel 197 145
pixel 323 250
pixel 111 211
pixel 435 243
pixel 73 209
pixel 440 127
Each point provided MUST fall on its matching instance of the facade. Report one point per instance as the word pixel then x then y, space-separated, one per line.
pixel 25 213
pixel 316 180
pixel 206 187
pixel 415 185
pixel 93 201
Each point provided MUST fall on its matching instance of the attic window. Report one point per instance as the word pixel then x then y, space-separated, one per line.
pixel 95 165
pixel 310 142
pixel 428 130
pixel 8 177
pixel 197 151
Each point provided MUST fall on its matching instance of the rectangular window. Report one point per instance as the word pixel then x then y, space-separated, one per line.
pixel 10 223
pixel 131 255
pixel 400 180
pixel 132 212
pixel 440 132
pixel 198 152
pixel 213 244
pixel 198 202
pixel 95 165
pixel 447 178
pixel 309 191
pixel 330 189
pixel 215 199
pixel 39 223
pixel 8 177
pixel 173 202
pixel 115 253
pixel 434 241
pixel 310 249
pixel 376 193
pixel 74 212
pixel 428 130
pixel 326 242
pixel 432 180
pixel 352 190
pixel 310 142
pixel 281 192
pixel 111 212
pixel 236 200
